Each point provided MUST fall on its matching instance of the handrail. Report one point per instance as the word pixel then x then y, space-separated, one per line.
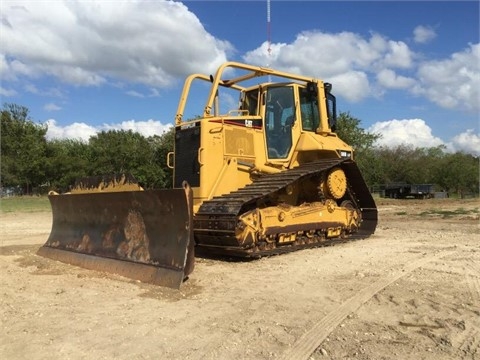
pixel 255 71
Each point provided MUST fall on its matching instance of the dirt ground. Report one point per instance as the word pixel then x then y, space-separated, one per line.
pixel 411 291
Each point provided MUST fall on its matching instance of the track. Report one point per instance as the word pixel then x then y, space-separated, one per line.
pixel 216 220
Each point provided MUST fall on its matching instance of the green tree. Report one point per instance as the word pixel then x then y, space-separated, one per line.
pixel 120 151
pixel 350 131
pixel 67 160
pixel 162 145
pixel 23 148
pixel 453 172
pixel 459 172
pixel 430 163
pixel 404 164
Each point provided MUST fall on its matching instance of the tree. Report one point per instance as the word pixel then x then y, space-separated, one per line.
pixel 23 146
pixel 67 160
pixel 120 151
pixel 404 164
pixel 349 130
pixel 452 172
pixel 459 172
pixel 162 145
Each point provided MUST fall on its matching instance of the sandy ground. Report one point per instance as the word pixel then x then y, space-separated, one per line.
pixel 411 291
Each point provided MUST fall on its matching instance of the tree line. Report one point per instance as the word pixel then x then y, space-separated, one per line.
pixel 33 164
pixel 455 173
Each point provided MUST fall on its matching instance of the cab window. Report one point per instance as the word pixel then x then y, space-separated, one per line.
pixel 309 111
pixel 250 102
pixel 279 118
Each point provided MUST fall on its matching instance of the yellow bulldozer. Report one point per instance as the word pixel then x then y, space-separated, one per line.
pixel 261 172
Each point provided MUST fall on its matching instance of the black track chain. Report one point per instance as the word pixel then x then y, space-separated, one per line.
pixel 218 217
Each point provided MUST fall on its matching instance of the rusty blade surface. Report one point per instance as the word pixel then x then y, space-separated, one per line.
pixel 144 235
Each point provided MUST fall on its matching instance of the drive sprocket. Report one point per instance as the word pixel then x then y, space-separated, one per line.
pixel 337 183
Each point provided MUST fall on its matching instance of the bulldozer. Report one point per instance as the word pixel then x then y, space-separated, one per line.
pixel 261 172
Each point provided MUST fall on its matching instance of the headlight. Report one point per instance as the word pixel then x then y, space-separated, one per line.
pixel 345 154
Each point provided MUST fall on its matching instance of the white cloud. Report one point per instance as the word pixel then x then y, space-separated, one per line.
pixel 146 128
pixel 89 43
pixel 353 85
pixel 7 92
pixel 31 88
pixel 135 94
pixel 467 141
pixel 78 131
pixel 346 59
pixel 376 64
pixel 423 34
pixel 152 93
pixel 82 131
pixel 5 73
pixel 54 92
pixel 414 132
pixel 17 67
pixel 77 75
pixel 398 55
pixel 52 107
pixel 388 79
pixel 453 82
pixel 339 53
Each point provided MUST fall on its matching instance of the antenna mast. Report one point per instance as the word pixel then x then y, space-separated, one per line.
pixel 269 49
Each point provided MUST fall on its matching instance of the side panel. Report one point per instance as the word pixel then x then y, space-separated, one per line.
pixel 187 168
pixel 228 154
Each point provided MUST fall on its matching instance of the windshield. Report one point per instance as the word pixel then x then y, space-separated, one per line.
pixel 279 118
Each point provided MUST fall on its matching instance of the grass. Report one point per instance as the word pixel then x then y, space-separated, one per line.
pixel 449 213
pixel 24 204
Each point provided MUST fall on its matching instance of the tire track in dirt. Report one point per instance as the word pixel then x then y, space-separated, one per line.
pixel 312 339
pixel 468 342
pixel 470 347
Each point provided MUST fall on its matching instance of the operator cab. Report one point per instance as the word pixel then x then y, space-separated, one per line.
pixel 280 113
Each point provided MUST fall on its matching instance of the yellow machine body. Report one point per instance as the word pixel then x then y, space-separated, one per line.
pixel 270 170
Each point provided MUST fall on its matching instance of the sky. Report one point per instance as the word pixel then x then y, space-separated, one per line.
pixel 408 70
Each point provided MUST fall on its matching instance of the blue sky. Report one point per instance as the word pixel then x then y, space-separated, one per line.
pixel 409 70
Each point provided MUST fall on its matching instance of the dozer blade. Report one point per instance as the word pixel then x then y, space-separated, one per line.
pixel 142 235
